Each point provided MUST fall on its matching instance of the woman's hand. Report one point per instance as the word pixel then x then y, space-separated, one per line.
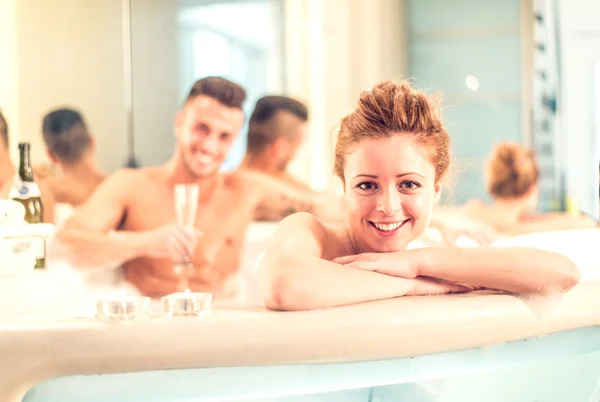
pixel 396 263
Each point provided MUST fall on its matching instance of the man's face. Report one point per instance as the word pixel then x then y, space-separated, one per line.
pixel 206 130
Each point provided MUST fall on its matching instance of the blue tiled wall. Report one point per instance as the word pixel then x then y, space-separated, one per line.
pixel 450 40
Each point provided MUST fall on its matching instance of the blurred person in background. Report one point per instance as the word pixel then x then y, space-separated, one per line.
pixel 71 149
pixel 512 182
pixel 276 130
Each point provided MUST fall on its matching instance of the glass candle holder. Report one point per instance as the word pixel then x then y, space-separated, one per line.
pixel 122 308
pixel 186 304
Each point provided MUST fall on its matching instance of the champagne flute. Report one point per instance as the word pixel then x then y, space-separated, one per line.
pixel 186 206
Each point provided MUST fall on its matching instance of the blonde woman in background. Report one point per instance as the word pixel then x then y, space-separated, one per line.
pixel 513 176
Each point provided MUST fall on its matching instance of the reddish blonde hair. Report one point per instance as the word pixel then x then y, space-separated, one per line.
pixel 391 109
pixel 512 171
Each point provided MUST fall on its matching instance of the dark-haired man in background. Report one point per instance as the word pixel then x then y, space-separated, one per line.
pixel 71 149
pixel 131 216
pixel 276 130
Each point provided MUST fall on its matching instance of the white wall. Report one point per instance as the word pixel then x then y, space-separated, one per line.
pixel 156 98
pixel 580 48
pixel 69 53
pixel 335 49
pixel 9 69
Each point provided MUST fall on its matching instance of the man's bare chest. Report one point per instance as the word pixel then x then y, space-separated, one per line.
pixel 153 209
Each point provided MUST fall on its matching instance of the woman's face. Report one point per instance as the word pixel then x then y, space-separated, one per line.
pixel 390 192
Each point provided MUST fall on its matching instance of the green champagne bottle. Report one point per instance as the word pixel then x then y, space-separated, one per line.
pixel 26 191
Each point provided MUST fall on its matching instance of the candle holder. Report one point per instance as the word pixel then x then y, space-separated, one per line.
pixel 122 308
pixel 186 304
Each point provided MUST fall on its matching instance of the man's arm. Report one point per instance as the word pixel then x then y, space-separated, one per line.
pixel 278 199
pixel 85 238
pixel 291 180
pixel 88 237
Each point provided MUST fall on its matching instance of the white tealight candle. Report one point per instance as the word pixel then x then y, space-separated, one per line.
pixel 122 308
pixel 186 304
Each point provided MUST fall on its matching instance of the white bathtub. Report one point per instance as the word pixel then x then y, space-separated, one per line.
pixel 468 348
pixel 451 348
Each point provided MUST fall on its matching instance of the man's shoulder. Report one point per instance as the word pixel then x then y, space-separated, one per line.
pixel 254 179
pixel 239 175
pixel 306 220
pixel 241 179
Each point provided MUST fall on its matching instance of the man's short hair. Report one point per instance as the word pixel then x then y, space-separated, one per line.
pixel 260 134
pixel 3 129
pixel 66 134
pixel 226 92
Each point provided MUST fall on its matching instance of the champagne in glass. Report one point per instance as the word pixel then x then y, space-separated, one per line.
pixel 186 206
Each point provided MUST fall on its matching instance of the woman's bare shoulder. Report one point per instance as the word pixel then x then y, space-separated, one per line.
pixel 303 222
pixel 305 227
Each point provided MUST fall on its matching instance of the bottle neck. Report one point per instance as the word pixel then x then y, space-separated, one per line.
pixel 25 169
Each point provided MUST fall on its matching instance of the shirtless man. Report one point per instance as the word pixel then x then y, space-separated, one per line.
pixel 8 172
pixel 71 149
pixel 139 204
pixel 276 130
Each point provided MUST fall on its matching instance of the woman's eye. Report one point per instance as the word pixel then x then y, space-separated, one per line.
pixel 410 185
pixel 367 186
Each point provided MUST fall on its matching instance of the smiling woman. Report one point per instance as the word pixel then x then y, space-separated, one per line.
pixel 392 155
pixel 390 192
